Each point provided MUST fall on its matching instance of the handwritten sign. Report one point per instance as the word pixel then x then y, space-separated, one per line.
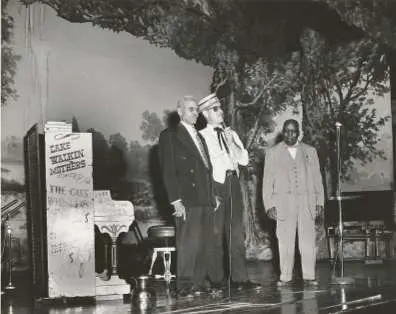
pixel 105 206
pixel 70 214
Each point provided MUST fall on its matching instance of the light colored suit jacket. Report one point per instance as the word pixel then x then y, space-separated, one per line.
pixel 276 179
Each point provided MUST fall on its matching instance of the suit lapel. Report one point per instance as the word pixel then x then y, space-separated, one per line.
pixel 185 138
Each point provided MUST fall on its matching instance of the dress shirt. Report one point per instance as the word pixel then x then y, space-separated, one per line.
pixel 220 159
pixel 293 151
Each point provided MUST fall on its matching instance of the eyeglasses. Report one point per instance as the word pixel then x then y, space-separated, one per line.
pixel 216 108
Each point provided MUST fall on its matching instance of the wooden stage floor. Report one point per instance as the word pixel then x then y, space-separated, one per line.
pixel 373 291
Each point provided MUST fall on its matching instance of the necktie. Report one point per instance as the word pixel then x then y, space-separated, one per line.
pixel 201 150
pixel 222 141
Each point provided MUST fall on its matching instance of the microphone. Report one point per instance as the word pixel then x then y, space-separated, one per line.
pixel 338 124
pixel 224 138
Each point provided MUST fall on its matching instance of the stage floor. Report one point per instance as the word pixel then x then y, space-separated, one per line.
pixel 373 291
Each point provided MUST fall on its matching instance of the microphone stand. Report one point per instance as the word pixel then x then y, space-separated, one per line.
pixel 340 250
pixel 229 189
pixel 10 286
pixel 7 213
pixel 3 245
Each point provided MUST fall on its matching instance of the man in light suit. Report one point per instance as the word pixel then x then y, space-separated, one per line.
pixel 187 176
pixel 293 196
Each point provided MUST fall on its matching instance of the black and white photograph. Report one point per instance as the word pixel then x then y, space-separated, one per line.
pixel 198 156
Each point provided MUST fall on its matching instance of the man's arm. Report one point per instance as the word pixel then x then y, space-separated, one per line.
pixel 317 177
pixel 168 165
pixel 239 153
pixel 268 181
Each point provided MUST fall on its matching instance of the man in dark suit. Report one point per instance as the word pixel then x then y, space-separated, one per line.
pixel 187 175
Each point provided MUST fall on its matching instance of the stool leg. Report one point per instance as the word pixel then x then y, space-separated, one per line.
pixel 376 245
pixel 387 248
pixel 153 258
pixel 167 264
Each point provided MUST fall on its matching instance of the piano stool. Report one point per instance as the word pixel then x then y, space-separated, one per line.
pixel 162 238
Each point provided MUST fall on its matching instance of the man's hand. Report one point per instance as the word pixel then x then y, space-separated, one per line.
pixel 180 210
pixel 319 215
pixel 272 213
pixel 218 202
pixel 228 135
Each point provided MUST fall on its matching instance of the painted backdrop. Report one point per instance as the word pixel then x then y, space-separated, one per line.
pixel 120 89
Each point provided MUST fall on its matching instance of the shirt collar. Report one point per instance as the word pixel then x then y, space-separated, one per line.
pixel 211 126
pixel 294 146
pixel 189 127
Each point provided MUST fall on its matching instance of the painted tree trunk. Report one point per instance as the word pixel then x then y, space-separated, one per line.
pixel 323 152
pixel 258 246
pixel 256 241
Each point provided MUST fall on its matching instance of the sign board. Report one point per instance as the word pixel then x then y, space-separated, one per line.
pixel 70 215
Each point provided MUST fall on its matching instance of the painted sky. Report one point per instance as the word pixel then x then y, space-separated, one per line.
pixel 103 78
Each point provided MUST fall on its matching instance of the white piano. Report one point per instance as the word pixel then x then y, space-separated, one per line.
pixel 112 217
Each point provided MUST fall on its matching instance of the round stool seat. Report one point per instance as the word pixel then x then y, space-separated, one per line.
pixel 161 232
pixel 162 236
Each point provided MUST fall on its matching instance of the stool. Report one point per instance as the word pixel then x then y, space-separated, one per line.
pixel 161 236
pixel 167 258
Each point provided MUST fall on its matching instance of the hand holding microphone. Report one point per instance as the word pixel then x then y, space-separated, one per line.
pixel 228 133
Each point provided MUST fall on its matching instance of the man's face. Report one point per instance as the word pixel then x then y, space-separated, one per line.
pixel 215 115
pixel 290 134
pixel 188 112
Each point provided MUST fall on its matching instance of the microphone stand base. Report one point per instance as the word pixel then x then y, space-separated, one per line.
pixel 9 287
pixel 343 280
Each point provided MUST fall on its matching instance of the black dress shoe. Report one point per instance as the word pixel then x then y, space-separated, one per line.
pixel 196 290
pixel 281 283
pixel 185 293
pixel 216 288
pixel 311 282
pixel 245 285
pixel 251 285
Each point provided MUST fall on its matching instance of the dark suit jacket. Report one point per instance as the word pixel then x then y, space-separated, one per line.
pixel 184 173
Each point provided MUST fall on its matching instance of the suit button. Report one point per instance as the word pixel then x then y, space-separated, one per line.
pixel 193 185
pixel 191 170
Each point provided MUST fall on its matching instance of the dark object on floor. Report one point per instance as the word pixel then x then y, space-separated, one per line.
pixel 134 259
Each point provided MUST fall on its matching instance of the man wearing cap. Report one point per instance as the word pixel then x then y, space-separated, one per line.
pixel 226 153
pixel 187 176
pixel 293 196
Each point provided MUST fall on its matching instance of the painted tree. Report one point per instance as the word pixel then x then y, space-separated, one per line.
pixel 75 126
pixel 375 17
pixel 8 57
pixel 137 160
pixel 339 83
pixel 151 126
pixel 119 141
pixel 117 159
pixel 100 150
pixel 253 94
pixel 241 40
